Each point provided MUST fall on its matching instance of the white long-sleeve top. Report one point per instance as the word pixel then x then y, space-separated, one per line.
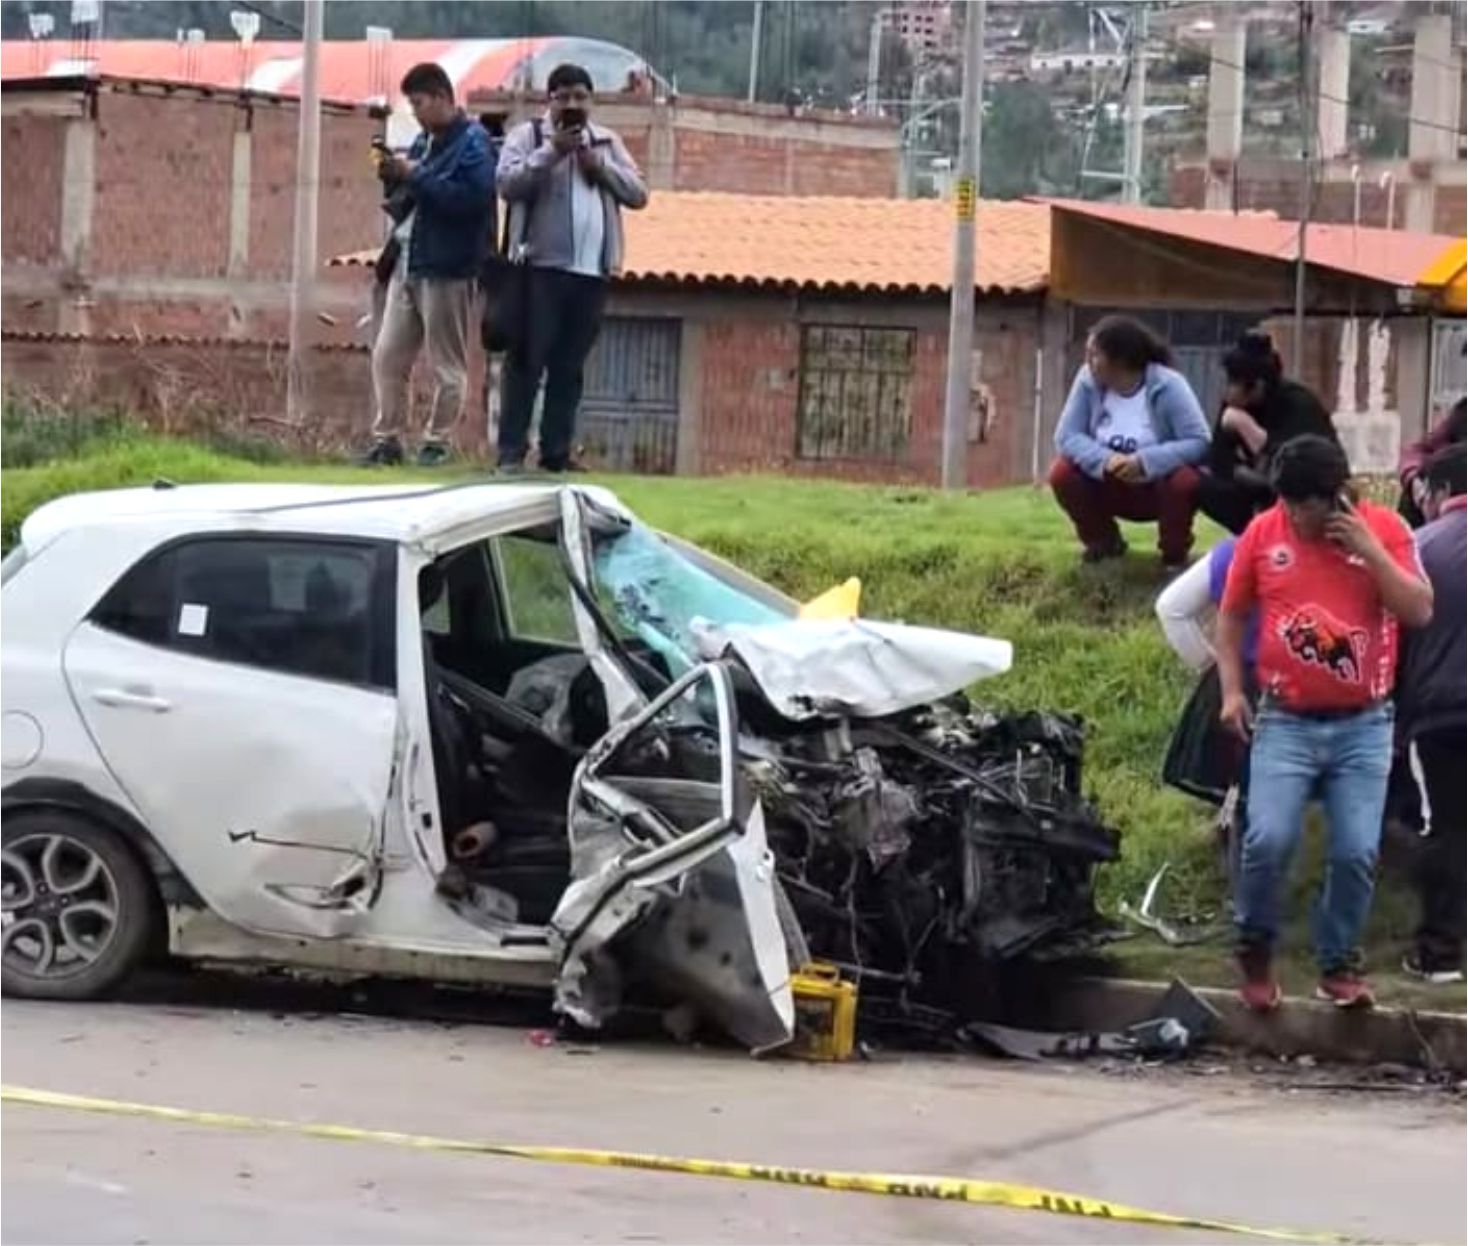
pixel 1182 608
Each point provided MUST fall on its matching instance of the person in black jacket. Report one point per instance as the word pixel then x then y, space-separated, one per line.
pixel 1432 713
pixel 1262 410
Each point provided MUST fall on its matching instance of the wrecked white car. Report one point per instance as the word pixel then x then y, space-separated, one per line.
pixel 501 734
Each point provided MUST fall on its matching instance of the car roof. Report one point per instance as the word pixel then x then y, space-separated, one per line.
pixel 385 512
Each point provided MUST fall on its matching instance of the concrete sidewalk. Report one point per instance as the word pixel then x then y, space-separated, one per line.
pixel 1436 1041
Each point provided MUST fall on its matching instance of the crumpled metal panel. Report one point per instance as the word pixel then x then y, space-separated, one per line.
pixel 945 841
pixel 807 668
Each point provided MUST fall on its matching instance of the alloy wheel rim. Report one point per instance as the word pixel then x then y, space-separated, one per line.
pixel 58 905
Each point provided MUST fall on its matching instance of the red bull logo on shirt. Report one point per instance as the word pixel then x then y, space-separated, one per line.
pixel 1313 635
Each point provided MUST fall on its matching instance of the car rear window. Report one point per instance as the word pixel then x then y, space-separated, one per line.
pixel 321 609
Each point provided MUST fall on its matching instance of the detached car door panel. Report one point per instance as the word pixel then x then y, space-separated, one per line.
pixel 672 880
pixel 241 689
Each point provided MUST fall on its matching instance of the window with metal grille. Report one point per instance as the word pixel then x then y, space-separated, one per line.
pixel 855 392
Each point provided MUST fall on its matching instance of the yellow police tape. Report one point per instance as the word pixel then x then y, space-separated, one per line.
pixel 948 1189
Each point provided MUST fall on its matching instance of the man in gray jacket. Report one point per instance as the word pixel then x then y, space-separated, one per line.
pixel 565 181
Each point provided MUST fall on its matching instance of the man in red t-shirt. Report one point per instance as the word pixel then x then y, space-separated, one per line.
pixel 1332 581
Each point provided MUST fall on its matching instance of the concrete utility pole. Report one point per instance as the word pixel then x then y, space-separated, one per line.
pixel 1225 109
pixel 1307 176
pixel 874 65
pixel 965 201
pixel 303 253
pixel 756 46
pixel 1131 186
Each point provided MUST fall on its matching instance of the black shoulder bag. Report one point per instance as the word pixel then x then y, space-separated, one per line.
pixel 505 284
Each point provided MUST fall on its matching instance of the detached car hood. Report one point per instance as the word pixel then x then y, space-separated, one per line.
pixel 811 668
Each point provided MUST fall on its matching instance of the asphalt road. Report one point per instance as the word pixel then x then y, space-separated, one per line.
pixel 1384 1167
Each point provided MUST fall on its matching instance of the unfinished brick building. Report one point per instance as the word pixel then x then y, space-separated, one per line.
pixel 154 208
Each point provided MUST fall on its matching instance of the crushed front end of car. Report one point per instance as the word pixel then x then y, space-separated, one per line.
pixel 914 841
pixel 924 850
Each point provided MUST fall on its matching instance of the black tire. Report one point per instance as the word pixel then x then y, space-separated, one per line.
pixel 129 883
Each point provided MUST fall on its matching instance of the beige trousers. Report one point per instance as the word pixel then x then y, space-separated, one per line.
pixel 433 315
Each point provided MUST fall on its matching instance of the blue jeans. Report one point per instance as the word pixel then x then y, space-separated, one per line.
pixel 1345 762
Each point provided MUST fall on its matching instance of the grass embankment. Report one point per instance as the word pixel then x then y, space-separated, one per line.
pixel 1001 563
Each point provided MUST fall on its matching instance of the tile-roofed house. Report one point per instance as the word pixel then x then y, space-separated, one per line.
pixel 831 244
pixel 809 335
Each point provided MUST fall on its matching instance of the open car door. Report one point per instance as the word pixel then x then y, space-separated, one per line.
pixel 673 883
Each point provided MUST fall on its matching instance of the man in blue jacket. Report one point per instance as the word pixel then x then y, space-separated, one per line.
pixel 445 185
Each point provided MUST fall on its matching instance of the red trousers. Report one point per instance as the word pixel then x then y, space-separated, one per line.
pixel 1094 506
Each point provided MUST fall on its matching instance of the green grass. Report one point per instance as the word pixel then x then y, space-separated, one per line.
pixel 1002 563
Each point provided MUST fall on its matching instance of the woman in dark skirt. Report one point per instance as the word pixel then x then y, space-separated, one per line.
pixel 1203 759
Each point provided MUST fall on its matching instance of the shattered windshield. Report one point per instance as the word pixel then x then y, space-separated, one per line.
pixel 654 590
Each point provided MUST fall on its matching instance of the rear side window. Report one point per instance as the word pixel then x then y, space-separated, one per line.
pixel 321 609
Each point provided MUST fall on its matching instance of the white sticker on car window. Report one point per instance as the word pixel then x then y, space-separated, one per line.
pixel 193 619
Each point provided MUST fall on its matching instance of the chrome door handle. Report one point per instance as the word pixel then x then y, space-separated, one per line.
pixel 128 699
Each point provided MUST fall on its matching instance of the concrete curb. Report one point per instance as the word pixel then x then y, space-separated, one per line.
pixel 1434 1040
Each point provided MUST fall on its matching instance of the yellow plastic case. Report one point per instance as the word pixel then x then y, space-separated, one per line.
pixel 825 1014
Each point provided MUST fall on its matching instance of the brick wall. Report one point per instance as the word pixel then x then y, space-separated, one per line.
pixel 1276 188
pixel 1321 359
pixel 750 385
pixel 759 165
pixel 163 193
pixel 164 168
pixel 747 389
pixel 351 217
pixel 731 145
pixel 1450 206
pixel 823 169
pixel 162 186
pixel 33 148
pixel 729 162
pixel 186 388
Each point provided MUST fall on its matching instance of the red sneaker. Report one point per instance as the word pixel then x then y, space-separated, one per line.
pixel 1260 992
pixel 1345 989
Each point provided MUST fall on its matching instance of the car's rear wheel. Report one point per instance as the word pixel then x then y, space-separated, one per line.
pixel 77 907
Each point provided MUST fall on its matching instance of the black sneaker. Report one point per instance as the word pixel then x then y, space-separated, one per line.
pixel 433 454
pixel 1433 972
pixel 510 469
pixel 573 466
pixel 1104 553
pixel 384 452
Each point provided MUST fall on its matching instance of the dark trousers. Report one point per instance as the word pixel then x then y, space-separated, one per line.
pixel 1441 883
pixel 1094 506
pixel 1230 503
pixel 563 315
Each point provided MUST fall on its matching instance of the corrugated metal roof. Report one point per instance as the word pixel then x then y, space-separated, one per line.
pixel 161 86
pixel 1390 256
pixel 837 244
pixel 350 69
